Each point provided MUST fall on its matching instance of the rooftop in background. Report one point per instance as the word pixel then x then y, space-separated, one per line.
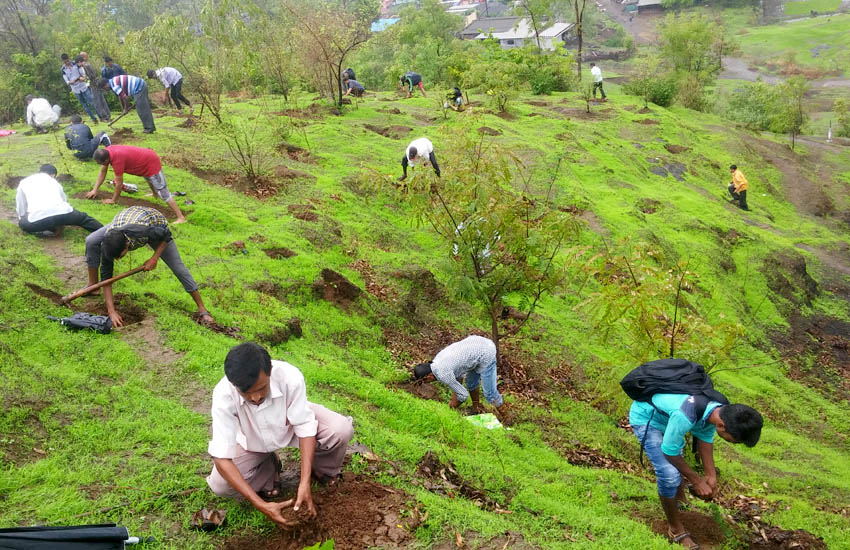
pixel 382 24
pixel 498 24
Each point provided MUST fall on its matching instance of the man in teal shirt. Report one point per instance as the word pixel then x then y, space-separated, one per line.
pixel 661 426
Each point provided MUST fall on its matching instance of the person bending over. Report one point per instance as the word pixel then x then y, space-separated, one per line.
pixel 173 82
pixel 134 228
pixel 78 138
pixel 353 87
pixel 258 407
pixel 419 150
pixel 474 358
pixel 411 79
pixel 42 205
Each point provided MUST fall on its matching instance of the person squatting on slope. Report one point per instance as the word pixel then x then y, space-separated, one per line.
pixel 78 138
pixel 353 87
pixel 738 187
pixel 474 358
pixel 42 205
pixel 40 115
pixel 258 407
pixel 173 82
pixel 412 79
pixel 661 425
pixel 134 228
pixel 125 86
pixel 136 161
pixel 423 149
pixel 454 99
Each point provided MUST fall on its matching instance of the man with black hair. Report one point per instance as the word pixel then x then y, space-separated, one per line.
pixel 134 228
pixel 42 205
pixel 738 187
pixel 473 358
pixel 348 74
pixel 75 77
pixel 411 79
pixel 136 161
pixel 125 86
pixel 101 107
pixel 258 407
pixel 110 69
pixel 173 82
pixel 423 149
pixel 455 99
pixel 78 138
pixel 353 87
pixel 661 425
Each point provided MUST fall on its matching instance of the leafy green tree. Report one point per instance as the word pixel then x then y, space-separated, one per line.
pixel 756 105
pixel 504 242
pixel 792 115
pixel 842 111
pixel 689 42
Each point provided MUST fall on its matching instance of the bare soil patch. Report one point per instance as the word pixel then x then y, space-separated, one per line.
pixel 703 529
pixel 761 536
pixel 270 288
pixel 537 103
pixel 392 132
pixel 486 130
pixel 282 334
pixel 313 112
pixel 334 287
pixel 373 287
pixel 130 312
pixel 278 253
pixel 675 149
pixel 442 478
pixel 286 173
pixel 505 115
pixel 54 297
pixel 122 135
pixel 372 516
pixel 648 206
pixel 788 276
pixel 130 200
pixel 420 389
pixel 510 540
pixel 649 121
pixel 296 153
pixel 392 111
pixel 233 332
pixel 260 187
pixel 826 342
pixel 190 122
pixel 305 212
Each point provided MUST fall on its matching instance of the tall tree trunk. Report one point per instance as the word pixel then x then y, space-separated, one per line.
pixel 494 330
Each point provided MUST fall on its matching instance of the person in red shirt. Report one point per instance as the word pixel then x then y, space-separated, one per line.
pixel 137 161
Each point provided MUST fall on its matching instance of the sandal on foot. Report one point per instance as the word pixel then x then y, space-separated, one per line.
pixel 680 537
pixel 272 493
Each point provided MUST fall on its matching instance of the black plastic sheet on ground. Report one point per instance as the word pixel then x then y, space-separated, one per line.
pixel 89 537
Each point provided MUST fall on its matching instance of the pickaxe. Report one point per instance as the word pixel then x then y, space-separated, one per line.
pixel 84 291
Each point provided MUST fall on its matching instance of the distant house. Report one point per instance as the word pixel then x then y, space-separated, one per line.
pixel 649 5
pixel 516 32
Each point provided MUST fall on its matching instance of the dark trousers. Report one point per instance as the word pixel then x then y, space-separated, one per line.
pixel 177 94
pixel 86 152
pixel 100 104
pixel 740 196
pixel 74 217
pixel 143 109
pixel 598 85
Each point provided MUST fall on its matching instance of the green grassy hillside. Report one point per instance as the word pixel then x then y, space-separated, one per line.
pixel 114 428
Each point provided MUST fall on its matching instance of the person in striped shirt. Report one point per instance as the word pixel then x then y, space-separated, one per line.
pixel 125 86
pixel 473 358
pixel 134 228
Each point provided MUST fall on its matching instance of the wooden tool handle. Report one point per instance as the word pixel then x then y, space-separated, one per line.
pixel 84 291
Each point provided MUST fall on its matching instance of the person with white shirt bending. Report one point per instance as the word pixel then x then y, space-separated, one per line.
pixel 473 358
pixel 42 205
pixel 258 407
pixel 597 80
pixel 40 115
pixel 173 82
pixel 419 150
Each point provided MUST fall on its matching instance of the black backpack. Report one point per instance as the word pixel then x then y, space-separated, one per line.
pixel 79 320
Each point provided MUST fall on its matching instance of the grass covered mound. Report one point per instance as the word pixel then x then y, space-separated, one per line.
pixel 115 428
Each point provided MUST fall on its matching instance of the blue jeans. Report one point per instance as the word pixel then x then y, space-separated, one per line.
pixel 88 104
pixel 667 476
pixel 487 380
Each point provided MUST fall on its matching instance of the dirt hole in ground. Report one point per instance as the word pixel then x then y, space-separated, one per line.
pixel 282 334
pixel 130 312
pixel 296 153
pixel 392 111
pixel 538 103
pixel 334 287
pixel 303 212
pixel 582 455
pixel 420 389
pixel 54 297
pixel 442 478
pixel 649 121
pixel 278 253
pixel 486 130
pixel 122 135
pixel 233 332
pixel 392 132
pixel 270 288
pixel 13 181
pixel 286 173
pixel 126 200
pixel 356 513
pixel 703 529
pixel 675 149
pixel 313 112
pixel 648 206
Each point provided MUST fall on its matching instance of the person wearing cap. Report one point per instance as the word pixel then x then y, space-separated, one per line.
pixel 42 206
pixel 75 78
pixel 110 69
pixel 101 107
pixel 411 79
pixel 419 150
pixel 473 358
pixel 40 115
pixel 259 406
pixel 173 82
pixel 78 138
pixel 134 228
pixel 125 86
pixel 136 161
pixel 738 187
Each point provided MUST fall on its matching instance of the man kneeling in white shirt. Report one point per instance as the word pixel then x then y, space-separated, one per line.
pixel 42 205
pixel 259 407
pixel 40 115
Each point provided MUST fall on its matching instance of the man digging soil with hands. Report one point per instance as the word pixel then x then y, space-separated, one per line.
pixel 689 405
pixel 474 358
pixel 134 228
pixel 258 407
pixel 419 151
pixel 136 161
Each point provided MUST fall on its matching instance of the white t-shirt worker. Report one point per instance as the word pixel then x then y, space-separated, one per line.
pixel 419 150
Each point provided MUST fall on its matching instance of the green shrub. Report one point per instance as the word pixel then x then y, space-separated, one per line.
pixel 842 110
pixel 754 105
pixel 654 89
pixel 690 93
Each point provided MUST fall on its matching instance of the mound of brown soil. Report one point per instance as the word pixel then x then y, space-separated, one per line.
pixel 392 111
pixel 334 287
pixel 486 130
pixel 581 455
pixel 233 332
pixel 126 200
pixel 675 149
pixel 441 478
pixel 788 277
pixel 188 123
pixel 392 132
pixel 296 153
pixel 538 103
pixel 703 529
pixel 356 513
pixel 287 173
pixel 282 334
pixel 649 121
pixel 121 136
pixel 277 253
pixel 648 206
pixel 504 115
pixel 303 212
